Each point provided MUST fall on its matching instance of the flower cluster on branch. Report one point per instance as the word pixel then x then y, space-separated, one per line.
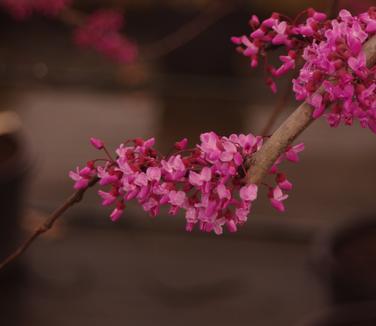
pixel 206 181
pixel 100 30
pixel 335 79
pixel 21 9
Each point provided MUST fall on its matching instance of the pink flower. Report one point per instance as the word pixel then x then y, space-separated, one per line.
pixel 317 102
pixel 223 192
pixel 292 152
pixel 180 145
pixel 206 183
pixel 116 213
pixel 198 179
pixel 242 214
pixel 153 173
pixel 106 176
pixel 108 198
pixel 282 182
pixel 288 64
pixel 248 193
pixel 254 21
pixel 81 177
pixel 231 226
pixel 281 36
pixel 276 198
pixel 97 143
pixel 358 64
pixel 229 152
pixel 102 33
pixel 332 51
pixel 22 9
pixel 177 198
pixel 209 145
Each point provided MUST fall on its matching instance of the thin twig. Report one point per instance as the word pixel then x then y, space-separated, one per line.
pixel 299 120
pixel 75 198
pixel 278 109
pixel 187 32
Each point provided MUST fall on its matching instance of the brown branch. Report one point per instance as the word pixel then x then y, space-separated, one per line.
pixel 187 32
pixel 299 120
pixel 278 109
pixel 75 198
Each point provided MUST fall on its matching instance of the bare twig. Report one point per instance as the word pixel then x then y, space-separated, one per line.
pixel 189 31
pixel 299 120
pixel 75 198
pixel 278 109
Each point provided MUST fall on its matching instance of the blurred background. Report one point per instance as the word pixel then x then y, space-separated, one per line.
pixel 89 271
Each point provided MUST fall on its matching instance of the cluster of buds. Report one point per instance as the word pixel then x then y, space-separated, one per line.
pixel 206 182
pixel 333 58
pixel 101 32
pixel 21 9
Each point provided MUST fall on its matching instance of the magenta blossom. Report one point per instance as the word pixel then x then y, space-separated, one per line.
pixel 334 76
pixel 206 182
pixel 101 32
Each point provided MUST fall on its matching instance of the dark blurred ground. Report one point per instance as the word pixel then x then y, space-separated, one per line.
pixel 89 271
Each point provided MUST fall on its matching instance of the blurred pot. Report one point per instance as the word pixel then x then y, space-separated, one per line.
pixel 345 257
pixel 363 314
pixel 14 165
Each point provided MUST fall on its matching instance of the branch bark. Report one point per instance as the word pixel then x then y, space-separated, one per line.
pixel 75 198
pixel 293 126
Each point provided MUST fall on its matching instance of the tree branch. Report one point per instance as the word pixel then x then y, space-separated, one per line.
pixel 299 120
pixel 187 32
pixel 75 198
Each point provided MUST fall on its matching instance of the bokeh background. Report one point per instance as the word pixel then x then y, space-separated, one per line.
pixel 142 271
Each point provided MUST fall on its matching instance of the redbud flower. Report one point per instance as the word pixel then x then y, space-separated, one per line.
pixel 333 58
pixel 97 143
pixel 206 183
pixel 101 32
pixel 21 9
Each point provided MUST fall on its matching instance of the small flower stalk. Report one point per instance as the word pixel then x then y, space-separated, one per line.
pixel 205 182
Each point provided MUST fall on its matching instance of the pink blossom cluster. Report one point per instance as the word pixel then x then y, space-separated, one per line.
pixel 333 57
pixel 21 9
pixel 101 32
pixel 206 182
pixel 279 31
pixel 337 63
